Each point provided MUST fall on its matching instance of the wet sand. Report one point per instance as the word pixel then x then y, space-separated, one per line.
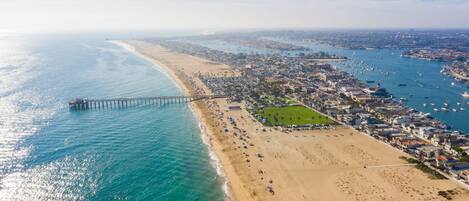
pixel 298 165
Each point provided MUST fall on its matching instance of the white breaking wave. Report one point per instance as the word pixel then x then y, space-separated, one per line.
pixel 214 160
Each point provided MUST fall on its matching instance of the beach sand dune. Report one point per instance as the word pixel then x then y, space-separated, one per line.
pixel 338 164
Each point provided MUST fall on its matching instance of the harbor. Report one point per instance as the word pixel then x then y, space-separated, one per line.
pixel 421 90
pixel 369 108
pixel 270 86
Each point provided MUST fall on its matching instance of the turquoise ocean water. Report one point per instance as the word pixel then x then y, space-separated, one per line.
pixel 48 152
pixel 143 153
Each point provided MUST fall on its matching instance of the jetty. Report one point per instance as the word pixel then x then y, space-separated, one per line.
pixel 85 103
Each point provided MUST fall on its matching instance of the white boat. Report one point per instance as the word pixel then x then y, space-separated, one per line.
pixel 435 109
pixel 424 105
pixel 462 109
pixel 465 95
pixel 454 110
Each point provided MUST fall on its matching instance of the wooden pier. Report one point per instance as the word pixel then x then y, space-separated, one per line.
pixel 84 103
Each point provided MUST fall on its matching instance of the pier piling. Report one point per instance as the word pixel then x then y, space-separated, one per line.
pixel 84 104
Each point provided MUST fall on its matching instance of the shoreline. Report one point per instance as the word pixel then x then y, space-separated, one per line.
pixel 304 165
pixel 196 111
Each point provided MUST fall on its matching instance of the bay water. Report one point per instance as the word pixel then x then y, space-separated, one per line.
pixel 419 82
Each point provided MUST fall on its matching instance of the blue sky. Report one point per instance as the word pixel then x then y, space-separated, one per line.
pixel 48 15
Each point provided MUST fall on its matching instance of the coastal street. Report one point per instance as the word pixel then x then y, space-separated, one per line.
pixel 393 165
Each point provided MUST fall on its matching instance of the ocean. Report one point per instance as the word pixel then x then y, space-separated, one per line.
pixel 48 152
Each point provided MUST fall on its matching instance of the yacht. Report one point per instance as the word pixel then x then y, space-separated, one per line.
pixel 465 94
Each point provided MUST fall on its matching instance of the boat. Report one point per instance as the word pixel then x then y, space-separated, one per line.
pixel 446 104
pixel 462 109
pixel 424 105
pixel 444 109
pixel 435 109
pixel 452 83
pixel 454 110
pixel 465 95
pixel 402 85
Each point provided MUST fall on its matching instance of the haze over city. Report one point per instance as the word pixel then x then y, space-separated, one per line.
pixel 48 15
pixel 234 100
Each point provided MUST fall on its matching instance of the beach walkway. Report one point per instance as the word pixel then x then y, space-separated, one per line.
pixel 393 165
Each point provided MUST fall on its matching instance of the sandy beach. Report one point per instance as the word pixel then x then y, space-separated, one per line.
pixel 261 163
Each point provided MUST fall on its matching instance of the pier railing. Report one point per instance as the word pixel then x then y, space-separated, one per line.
pixel 85 103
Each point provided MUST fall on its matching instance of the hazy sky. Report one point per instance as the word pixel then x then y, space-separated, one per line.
pixel 40 15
